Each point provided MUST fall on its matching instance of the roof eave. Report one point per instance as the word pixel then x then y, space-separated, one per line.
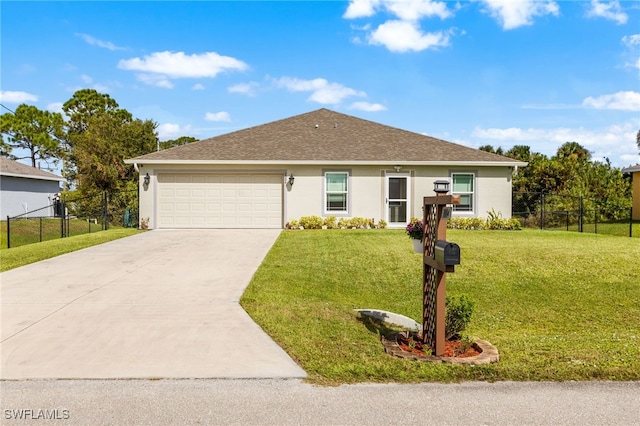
pixel 9 174
pixel 333 162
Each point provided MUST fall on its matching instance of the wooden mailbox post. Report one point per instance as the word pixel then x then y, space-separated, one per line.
pixel 434 272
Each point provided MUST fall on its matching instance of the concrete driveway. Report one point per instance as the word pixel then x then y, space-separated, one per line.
pixel 162 304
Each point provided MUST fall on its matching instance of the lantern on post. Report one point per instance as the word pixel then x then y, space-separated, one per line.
pixel 441 187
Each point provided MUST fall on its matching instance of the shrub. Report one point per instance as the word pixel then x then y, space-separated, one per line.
pixel 476 223
pixel 292 224
pixel 382 224
pixel 311 222
pixel 330 222
pixel 459 310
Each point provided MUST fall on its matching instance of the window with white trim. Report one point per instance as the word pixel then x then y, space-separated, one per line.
pixel 463 184
pixel 336 194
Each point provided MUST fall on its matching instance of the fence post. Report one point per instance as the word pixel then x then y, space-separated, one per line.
pixel 40 228
pixel 567 212
pixel 105 211
pixel 581 213
pixel 62 217
pixel 8 232
pixel 541 210
pixel 595 218
pixel 631 222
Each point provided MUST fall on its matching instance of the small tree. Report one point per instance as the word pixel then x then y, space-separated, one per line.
pixel 36 131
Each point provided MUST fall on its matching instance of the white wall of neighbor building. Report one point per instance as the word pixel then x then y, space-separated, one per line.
pixel 20 195
pixel 366 190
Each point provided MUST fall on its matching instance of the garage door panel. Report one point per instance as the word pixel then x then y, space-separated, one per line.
pixel 203 200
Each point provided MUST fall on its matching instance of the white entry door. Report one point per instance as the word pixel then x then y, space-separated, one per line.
pixel 398 199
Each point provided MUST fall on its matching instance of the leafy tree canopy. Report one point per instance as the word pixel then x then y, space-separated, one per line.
pixel 88 103
pixel 36 131
pixel 182 140
pixel 101 149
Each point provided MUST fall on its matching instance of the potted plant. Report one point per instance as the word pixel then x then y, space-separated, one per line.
pixel 415 231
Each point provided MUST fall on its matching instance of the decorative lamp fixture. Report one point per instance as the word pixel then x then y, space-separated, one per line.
pixel 397 168
pixel 291 179
pixel 441 187
pixel 147 179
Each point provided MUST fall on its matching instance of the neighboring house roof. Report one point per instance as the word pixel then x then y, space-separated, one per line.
pixel 324 137
pixel 15 169
pixel 632 169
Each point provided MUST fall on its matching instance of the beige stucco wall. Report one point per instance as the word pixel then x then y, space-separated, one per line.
pixel 367 189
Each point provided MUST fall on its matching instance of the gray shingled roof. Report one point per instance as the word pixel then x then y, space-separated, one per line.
pixel 13 168
pixel 632 169
pixel 324 136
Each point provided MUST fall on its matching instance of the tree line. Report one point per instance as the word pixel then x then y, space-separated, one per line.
pixel 91 140
pixel 572 173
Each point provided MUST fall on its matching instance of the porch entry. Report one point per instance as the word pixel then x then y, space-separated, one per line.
pixel 398 199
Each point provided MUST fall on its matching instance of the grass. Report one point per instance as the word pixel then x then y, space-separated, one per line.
pixel 557 305
pixel 24 255
pixel 34 230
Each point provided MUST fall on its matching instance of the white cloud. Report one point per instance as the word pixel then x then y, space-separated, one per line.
pixel 322 91
pixel 367 106
pixel 85 78
pixel 155 80
pixel 517 13
pixel 412 10
pixel 248 89
pixel 160 67
pixel 217 116
pixel 197 86
pixel 55 107
pixel 361 9
pixel 16 97
pixel 632 40
pixel 417 9
pixel 616 142
pixel 168 131
pixel 623 101
pixel 610 10
pixel 95 42
pixel 403 36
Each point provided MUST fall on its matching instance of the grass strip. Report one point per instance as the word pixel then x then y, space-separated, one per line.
pixel 24 255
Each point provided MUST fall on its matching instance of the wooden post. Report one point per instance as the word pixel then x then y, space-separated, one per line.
pixel 434 274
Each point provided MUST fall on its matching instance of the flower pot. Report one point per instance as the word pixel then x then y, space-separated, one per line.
pixel 417 246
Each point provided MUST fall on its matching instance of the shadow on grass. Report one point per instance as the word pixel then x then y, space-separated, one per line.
pixel 377 326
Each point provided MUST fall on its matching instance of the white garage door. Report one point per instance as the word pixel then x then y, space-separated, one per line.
pixel 201 200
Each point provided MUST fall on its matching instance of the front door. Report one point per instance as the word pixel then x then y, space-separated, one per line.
pixel 398 200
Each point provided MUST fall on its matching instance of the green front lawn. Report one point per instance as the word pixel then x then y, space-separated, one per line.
pixel 557 305
pixel 30 253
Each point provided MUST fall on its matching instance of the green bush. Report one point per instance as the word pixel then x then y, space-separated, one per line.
pixel 330 222
pixel 311 222
pixel 494 221
pixel 476 223
pixel 459 310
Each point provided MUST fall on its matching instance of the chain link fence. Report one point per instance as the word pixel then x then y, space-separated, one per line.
pixel 571 213
pixel 67 217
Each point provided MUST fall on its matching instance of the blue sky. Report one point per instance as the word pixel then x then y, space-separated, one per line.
pixel 499 72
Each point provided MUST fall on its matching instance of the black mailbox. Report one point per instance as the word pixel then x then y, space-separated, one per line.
pixel 447 253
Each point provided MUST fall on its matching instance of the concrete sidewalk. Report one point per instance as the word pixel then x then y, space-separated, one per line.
pixel 162 304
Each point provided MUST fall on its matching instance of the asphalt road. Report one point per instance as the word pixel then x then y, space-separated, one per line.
pixel 293 402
